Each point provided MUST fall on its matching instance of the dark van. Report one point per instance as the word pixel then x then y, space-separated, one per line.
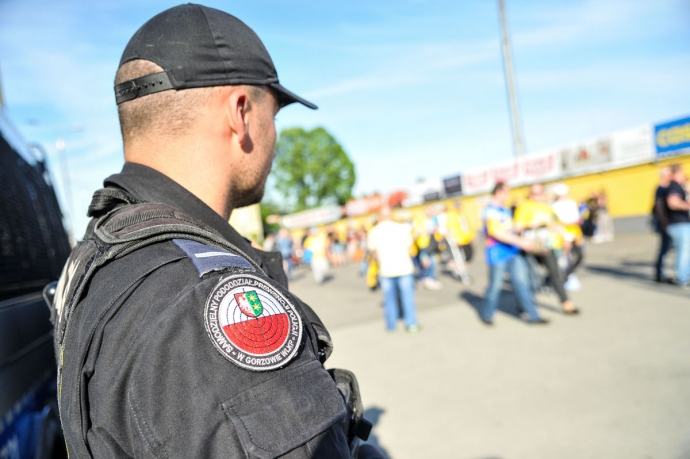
pixel 33 248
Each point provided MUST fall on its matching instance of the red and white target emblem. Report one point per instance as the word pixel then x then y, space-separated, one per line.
pixel 252 324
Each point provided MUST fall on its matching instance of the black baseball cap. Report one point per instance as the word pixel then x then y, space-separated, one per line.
pixel 200 47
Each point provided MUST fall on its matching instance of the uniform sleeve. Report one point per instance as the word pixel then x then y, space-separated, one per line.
pixel 185 399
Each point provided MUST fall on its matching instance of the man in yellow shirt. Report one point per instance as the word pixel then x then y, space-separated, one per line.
pixel 536 220
pixel 458 226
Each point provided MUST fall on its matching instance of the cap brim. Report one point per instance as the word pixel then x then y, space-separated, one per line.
pixel 286 97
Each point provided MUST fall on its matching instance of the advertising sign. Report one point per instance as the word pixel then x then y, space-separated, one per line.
pixel 429 190
pixel 540 166
pixel 585 154
pixel 396 198
pixel 671 137
pixel 364 206
pixel 452 185
pixel 633 144
pixel 508 172
pixel 312 217
pixel 477 180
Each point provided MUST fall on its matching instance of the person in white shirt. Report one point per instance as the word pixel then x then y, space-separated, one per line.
pixel 391 243
pixel 568 213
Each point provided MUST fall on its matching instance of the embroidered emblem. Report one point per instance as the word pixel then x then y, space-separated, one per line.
pixel 207 259
pixel 251 323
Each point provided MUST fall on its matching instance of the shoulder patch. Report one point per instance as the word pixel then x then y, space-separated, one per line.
pixel 207 258
pixel 251 323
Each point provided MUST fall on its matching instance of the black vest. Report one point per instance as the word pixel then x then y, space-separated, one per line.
pixel 120 227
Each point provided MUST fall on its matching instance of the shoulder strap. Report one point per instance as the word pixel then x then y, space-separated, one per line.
pixel 121 226
pixel 130 227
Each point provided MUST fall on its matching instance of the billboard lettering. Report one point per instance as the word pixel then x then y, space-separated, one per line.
pixel 673 136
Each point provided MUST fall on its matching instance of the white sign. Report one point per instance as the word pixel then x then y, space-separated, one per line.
pixel 587 153
pixel 477 180
pixel 540 166
pixel 429 190
pixel 312 217
pixel 633 144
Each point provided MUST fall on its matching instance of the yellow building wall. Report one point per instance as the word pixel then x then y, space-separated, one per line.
pixel 629 192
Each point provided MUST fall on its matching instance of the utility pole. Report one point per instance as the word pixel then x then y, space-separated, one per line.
pixel 518 142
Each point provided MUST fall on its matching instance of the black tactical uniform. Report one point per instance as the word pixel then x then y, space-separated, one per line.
pixel 143 374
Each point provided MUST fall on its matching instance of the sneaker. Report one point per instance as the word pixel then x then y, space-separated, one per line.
pixel 539 321
pixel 572 284
pixel 412 329
pixel 431 284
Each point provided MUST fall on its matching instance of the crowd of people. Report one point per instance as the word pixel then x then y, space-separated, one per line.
pixel 536 234
pixel 538 242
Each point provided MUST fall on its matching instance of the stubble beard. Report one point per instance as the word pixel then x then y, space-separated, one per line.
pixel 247 197
pixel 251 193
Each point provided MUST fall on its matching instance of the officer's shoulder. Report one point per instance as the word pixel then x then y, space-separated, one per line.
pixel 178 265
pixel 208 259
pixel 249 318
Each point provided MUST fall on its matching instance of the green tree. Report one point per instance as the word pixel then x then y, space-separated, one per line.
pixel 311 169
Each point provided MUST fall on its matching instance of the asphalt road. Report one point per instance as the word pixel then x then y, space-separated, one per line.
pixel 613 382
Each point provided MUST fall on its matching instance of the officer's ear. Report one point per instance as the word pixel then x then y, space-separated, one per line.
pixel 238 107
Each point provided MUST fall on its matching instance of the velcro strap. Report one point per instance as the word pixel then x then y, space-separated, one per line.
pixel 106 199
pixel 143 86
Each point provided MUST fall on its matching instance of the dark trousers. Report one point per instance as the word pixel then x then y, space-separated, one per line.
pixel 576 258
pixel 555 274
pixel 664 247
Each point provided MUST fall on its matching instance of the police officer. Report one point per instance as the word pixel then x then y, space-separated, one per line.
pixel 174 337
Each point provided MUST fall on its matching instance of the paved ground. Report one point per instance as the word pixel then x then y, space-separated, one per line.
pixel 613 382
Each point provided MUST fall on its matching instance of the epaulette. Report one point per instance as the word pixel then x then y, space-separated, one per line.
pixel 206 258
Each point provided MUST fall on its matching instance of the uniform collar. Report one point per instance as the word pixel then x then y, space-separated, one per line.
pixel 148 185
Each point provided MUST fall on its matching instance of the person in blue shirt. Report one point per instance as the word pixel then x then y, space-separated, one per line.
pixel 503 254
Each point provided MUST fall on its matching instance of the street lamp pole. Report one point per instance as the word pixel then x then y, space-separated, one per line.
pixel 518 142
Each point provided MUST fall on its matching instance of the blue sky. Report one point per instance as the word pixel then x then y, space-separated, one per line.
pixel 410 88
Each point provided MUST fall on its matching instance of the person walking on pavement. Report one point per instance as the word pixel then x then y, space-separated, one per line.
pixel 660 223
pixel 455 225
pixel 318 245
pixel 536 220
pixel 423 229
pixel 568 212
pixel 679 223
pixel 285 246
pixel 390 243
pixel 503 254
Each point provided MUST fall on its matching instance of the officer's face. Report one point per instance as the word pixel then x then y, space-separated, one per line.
pixel 262 132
